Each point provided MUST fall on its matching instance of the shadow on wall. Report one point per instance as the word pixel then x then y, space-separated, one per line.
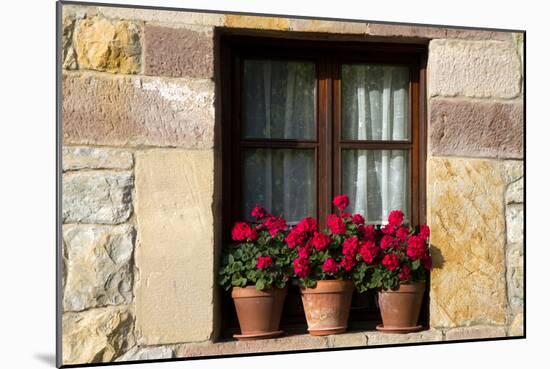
pixel 437 257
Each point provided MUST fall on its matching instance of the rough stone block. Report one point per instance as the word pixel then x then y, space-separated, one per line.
pixel 516 327
pixel 163 16
pixel 326 26
pixel 514 275
pixel 514 192
pixel 256 22
pixel 175 252
pixel 474 332
pixel 514 223
pixel 98 266
pixel 147 353
pixel 379 338
pixel 68 58
pixel 473 69
pixel 102 197
pixel 75 158
pixel 106 45
pixel 406 31
pixel 206 349
pixel 134 111
pixel 466 216
pixel 97 335
pixel 178 52
pixel 477 34
pixel 347 340
pixel 476 128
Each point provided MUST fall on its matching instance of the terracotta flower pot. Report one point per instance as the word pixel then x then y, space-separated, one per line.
pixel 259 312
pixel 327 307
pixel 400 308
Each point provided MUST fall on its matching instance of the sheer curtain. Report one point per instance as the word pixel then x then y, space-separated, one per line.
pixel 279 103
pixel 375 107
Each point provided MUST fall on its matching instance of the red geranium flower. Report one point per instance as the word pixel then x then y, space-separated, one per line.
pixel 330 266
pixel 304 252
pixel 417 248
pixel 358 219
pixel 348 263
pixel 396 218
pixel 341 201
pixel 336 224
pixel 258 212
pixel 320 241
pixel 306 225
pixel 294 239
pixel 390 261
pixel 242 231
pixel 274 225
pixel 368 251
pixel 402 233
pixel 368 232
pixel 264 262
pixel 424 231
pixel 388 229
pixel 387 242
pixel 405 273
pixel 350 246
pixel 301 267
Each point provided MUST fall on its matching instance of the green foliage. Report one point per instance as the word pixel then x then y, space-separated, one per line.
pixel 239 263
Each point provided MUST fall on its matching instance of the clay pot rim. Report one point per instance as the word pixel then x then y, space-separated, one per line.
pixel 251 291
pixel 329 286
pixel 406 287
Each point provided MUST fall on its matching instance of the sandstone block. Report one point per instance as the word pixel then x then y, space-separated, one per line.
pixel 514 275
pixel 474 332
pixel 136 111
pixel 473 69
pixel 106 45
pixel 407 31
pixel 326 26
pixel 163 16
pixel 102 197
pixel 347 340
pixel 175 253
pixel 98 266
pixel 514 192
pixel 178 52
pixel 68 58
pixel 514 223
pixel 516 328
pixel 379 338
pixel 256 22
pixel 97 335
pixel 75 158
pixel 476 128
pixel 466 216
pixel 147 353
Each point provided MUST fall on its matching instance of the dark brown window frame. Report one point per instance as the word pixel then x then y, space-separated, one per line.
pixel 328 56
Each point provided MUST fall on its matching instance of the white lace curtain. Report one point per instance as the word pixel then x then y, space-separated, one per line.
pixel 375 107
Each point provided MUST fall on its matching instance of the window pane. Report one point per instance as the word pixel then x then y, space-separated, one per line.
pixel 375 101
pixel 376 182
pixel 281 180
pixel 279 99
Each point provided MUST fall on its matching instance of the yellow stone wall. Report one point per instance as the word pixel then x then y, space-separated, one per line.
pixel 138 118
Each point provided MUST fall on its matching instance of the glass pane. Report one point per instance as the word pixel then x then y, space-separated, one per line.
pixel 375 102
pixel 279 99
pixel 376 182
pixel 281 180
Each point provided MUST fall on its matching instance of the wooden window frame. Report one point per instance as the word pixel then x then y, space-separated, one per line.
pixel 328 57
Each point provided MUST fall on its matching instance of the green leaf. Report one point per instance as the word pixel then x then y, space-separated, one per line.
pixel 415 264
pixel 260 284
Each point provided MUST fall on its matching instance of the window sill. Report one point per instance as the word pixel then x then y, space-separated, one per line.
pixel 293 342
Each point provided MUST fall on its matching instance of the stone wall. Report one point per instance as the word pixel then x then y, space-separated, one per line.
pixel 138 115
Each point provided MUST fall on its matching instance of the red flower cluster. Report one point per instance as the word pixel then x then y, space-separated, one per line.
pixel 320 241
pixel 258 212
pixel 368 251
pixel 341 201
pixel 330 266
pixel 274 224
pixel 417 247
pixel 336 224
pixel 301 267
pixel 390 261
pixel 264 262
pixel 242 231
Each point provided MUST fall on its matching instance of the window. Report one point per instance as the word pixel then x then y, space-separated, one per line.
pixel 303 121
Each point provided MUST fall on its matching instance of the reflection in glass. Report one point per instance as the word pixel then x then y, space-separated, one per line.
pixel 282 180
pixel 279 99
pixel 376 182
pixel 375 102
